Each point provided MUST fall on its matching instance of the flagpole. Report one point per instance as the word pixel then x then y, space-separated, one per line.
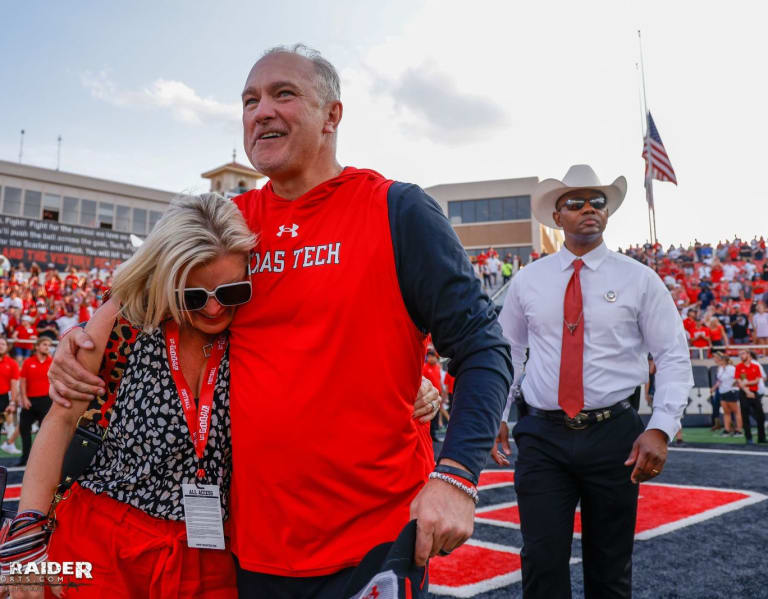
pixel 649 177
pixel 643 120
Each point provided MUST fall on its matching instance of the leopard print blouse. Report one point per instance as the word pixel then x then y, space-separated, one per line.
pixel 148 453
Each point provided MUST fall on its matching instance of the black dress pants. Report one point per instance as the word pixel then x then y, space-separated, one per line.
pixel 752 406
pixel 36 413
pixel 557 469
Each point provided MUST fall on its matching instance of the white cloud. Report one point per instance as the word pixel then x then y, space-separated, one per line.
pixel 177 97
pixel 430 103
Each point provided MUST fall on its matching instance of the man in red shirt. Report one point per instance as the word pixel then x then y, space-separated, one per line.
pixel 700 338
pixel 323 229
pixel 432 371
pixel 689 322
pixel 35 402
pixel 9 391
pixel 747 376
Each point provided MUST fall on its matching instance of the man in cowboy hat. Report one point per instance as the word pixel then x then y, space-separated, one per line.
pixel 589 317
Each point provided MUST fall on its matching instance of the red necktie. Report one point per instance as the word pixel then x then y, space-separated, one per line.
pixel 570 393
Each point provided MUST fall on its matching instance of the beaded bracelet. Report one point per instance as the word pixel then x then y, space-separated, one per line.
pixel 471 491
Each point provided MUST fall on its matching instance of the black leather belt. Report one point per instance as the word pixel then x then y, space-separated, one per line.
pixel 584 418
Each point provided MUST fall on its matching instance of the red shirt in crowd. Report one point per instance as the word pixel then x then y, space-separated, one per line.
pixel 36 374
pixel 24 332
pixel 700 336
pixel 748 372
pixel 83 314
pixel 12 324
pixel 733 252
pixel 9 371
pixel 432 372
pixel 716 333
pixel 448 382
pixel 717 274
pixel 689 325
pixel 53 287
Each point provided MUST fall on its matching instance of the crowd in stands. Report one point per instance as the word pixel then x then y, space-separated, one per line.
pixel 721 291
pixel 36 308
pixel 36 303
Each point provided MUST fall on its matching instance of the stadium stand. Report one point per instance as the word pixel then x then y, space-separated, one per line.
pixel 33 301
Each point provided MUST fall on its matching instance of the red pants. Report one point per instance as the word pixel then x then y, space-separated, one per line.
pixel 135 556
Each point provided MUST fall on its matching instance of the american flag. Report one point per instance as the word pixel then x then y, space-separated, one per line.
pixel 662 167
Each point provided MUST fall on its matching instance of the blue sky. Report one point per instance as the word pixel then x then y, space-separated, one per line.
pixel 435 91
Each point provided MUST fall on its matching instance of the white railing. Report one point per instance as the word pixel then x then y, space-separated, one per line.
pixel 703 353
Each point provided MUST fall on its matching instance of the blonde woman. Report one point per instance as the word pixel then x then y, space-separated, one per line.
pixel 168 437
pixel 729 395
pixel 717 332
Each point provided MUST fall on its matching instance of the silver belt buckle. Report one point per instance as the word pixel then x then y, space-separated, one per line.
pixel 578 422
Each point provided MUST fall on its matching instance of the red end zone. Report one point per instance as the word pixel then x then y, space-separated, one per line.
pixel 661 508
pixel 12 492
pixel 478 567
pixel 474 568
pixel 493 479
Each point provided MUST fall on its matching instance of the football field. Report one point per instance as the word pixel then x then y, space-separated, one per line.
pixel 702 532
pixel 702 529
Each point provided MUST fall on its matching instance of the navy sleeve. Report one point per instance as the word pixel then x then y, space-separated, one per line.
pixel 443 297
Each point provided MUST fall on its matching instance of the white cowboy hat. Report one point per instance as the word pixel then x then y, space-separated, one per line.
pixel 579 176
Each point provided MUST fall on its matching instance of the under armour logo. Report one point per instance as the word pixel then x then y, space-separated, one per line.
pixel 292 230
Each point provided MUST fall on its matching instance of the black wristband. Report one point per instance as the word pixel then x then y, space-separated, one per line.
pixel 465 474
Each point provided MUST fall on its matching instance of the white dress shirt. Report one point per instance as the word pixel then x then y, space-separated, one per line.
pixel 726 378
pixel 627 312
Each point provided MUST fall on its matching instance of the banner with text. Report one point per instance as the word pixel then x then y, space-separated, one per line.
pixel 24 240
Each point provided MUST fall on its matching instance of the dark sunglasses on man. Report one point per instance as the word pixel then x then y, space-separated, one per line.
pixel 230 294
pixel 598 203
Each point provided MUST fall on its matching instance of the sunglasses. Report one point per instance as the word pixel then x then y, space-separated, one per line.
pixel 231 294
pixel 598 203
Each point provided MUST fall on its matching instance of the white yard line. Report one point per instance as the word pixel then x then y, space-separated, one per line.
pixel 762 454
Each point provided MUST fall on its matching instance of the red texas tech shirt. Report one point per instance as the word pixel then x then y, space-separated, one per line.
pixel 325 464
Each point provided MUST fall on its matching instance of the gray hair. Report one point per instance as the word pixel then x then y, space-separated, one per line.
pixel 193 231
pixel 328 83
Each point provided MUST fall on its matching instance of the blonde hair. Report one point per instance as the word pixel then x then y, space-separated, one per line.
pixel 723 357
pixel 193 231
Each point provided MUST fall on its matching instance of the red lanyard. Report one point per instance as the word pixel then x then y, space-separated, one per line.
pixel 197 422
